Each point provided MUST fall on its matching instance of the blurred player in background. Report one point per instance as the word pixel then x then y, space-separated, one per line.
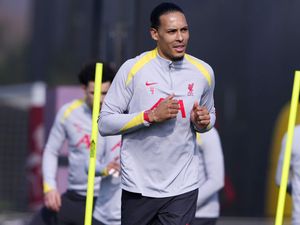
pixel 107 209
pixel 73 123
pixel 212 172
pixel 294 174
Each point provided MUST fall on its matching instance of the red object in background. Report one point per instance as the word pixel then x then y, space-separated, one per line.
pixel 36 142
pixel 228 194
pixel 229 190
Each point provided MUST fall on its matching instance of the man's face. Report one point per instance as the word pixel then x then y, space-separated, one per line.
pixel 89 92
pixel 171 36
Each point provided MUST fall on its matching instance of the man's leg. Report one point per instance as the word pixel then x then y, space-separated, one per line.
pixel 137 209
pixel 179 210
pixel 72 211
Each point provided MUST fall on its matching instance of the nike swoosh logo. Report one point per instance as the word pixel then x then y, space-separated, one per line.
pixel 150 83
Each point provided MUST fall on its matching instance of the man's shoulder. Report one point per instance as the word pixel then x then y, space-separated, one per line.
pixel 133 65
pixel 73 103
pixel 69 107
pixel 194 60
pixel 141 58
pixel 200 65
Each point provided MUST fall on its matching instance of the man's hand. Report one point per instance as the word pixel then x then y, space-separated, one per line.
pixel 114 165
pixel 200 116
pixel 166 110
pixel 52 200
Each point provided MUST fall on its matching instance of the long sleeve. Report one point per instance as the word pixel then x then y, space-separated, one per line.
pixel 55 141
pixel 280 164
pixel 295 185
pixel 101 155
pixel 114 118
pixel 103 159
pixel 108 205
pixel 98 168
pixel 213 164
pixel 207 99
pixel 294 174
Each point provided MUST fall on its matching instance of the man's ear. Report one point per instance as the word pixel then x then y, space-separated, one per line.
pixel 154 34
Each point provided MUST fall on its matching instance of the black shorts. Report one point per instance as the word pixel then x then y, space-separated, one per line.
pixel 72 211
pixel 204 221
pixel 139 210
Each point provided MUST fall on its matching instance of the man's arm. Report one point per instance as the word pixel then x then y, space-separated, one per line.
pixel 280 165
pixel 114 118
pixel 104 168
pixel 203 114
pixel 295 180
pixel 108 168
pixel 49 164
pixel 214 166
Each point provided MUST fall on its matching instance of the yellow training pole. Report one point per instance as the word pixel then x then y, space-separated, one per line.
pixel 288 150
pixel 93 149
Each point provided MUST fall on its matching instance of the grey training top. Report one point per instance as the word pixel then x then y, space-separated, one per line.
pixel 294 174
pixel 108 205
pixel 73 123
pixel 157 160
pixel 212 165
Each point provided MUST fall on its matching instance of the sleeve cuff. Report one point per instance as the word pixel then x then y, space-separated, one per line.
pixel 146 117
pixel 47 188
pixel 104 172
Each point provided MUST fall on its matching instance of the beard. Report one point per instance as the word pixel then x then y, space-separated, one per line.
pixel 176 58
pixel 179 58
pixel 169 55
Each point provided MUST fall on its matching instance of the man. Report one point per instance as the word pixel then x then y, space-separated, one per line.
pixel 212 174
pixel 73 123
pixel 294 174
pixel 107 209
pixel 157 102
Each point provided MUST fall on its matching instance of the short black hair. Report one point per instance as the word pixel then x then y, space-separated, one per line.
pixel 87 73
pixel 161 9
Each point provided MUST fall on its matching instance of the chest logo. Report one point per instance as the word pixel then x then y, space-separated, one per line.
pixel 150 83
pixel 150 86
pixel 190 89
